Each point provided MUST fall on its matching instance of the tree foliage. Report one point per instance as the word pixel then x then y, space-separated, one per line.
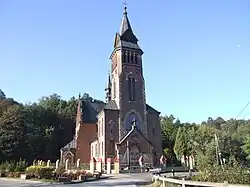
pixel 2 95
pixel 36 130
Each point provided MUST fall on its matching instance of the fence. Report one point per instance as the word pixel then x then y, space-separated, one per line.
pixel 165 182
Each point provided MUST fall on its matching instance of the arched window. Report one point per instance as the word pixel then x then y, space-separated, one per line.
pixel 123 57
pixel 136 59
pixel 130 57
pixel 153 128
pixel 111 126
pixel 132 119
pixel 131 88
pixel 126 57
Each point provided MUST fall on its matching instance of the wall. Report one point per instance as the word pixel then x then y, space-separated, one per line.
pixel 111 116
pixel 155 137
pixel 86 134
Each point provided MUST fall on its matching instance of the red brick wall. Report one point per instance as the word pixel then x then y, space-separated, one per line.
pixel 87 134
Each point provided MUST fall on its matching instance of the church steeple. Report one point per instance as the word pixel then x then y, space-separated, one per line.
pixel 79 115
pixel 108 89
pixel 126 32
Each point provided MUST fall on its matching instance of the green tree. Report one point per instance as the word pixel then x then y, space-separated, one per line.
pixel 246 147
pixel 181 144
pixel 2 95
pixel 12 132
pixel 169 128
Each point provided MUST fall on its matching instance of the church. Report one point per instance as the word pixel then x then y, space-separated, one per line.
pixel 124 127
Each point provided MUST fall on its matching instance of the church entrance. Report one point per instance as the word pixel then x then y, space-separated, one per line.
pixel 134 156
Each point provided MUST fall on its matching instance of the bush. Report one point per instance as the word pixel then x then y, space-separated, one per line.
pixel 40 172
pixel 232 173
pixel 21 166
pixel 13 174
pixel 45 173
pixel 13 166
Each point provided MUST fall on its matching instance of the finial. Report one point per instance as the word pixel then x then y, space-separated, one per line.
pixel 125 6
pixel 79 96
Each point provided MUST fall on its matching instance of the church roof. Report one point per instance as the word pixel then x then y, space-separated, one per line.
pixel 111 105
pixel 126 32
pixel 130 132
pixel 91 109
pixel 151 109
pixel 70 145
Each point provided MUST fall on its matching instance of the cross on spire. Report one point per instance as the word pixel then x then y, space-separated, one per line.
pixel 133 123
pixel 125 3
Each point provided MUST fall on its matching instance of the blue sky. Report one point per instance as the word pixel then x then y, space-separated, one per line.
pixel 196 53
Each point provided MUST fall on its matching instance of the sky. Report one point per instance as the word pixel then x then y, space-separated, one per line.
pixel 196 53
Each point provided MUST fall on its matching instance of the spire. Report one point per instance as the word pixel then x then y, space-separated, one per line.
pixel 109 82
pixel 108 89
pixel 79 115
pixel 126 31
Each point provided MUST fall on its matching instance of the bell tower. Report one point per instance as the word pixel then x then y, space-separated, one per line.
pixel 128 89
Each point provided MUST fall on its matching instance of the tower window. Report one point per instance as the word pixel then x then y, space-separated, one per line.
pixel 111 124
pixel 136 59
pixel 130 57
pixel 123 57
pixel 131 88
pixel 126 57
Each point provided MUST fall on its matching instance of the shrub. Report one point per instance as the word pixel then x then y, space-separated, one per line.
pixel 13 174
pixel 20 166
pixel 45 173
pixel 41 172
pixel 231 172
pixel 12 166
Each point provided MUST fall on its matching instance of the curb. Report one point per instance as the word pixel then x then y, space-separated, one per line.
pixel 41 182
pixel 16 179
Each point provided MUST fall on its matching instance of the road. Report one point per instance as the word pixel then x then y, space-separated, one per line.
pixel 118 181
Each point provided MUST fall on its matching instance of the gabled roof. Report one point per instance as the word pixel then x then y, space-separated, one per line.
pixel 70 145
pixel 130 132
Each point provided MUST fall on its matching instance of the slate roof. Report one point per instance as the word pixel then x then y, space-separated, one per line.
pixel 151 109
pixel 111 105
pixel 91 109
pixel 126 32
pixel 71 144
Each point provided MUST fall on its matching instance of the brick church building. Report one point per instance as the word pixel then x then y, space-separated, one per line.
pixel 125 126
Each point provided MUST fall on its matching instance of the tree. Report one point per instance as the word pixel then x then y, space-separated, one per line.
pixel 12 132
pixel 2 95
pixel 181 143
pixel 246 147
pixel 169 127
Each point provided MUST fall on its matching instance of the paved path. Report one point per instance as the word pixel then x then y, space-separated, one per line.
pixel 117 181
